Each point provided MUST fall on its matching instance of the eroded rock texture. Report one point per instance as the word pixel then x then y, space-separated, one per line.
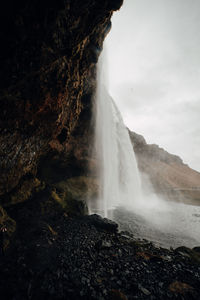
pixel 48 54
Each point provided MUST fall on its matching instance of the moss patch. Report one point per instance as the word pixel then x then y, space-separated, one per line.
pixel 22 192
pixel 73 194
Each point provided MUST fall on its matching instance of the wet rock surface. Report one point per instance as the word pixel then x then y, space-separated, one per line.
pixel 48 77
pixel 54 256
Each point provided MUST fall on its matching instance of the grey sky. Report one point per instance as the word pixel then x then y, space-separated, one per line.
pixel 154 72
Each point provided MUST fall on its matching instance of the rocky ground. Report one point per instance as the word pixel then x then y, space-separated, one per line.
pixel 54 256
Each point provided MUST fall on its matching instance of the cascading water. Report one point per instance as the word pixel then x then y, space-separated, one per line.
pixel 120 183
pixel 121 196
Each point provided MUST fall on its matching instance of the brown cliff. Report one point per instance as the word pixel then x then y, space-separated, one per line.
pixel 48 55
pixel 168 174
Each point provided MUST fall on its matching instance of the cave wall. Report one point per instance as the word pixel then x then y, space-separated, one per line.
pixel 48 54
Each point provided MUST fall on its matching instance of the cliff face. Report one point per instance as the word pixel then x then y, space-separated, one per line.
pixel 48 56
pixel 168 174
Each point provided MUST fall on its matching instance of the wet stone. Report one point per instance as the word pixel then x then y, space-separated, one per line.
pixel 88 262
pixel 144 291
pixel 102 223
pixel 106 244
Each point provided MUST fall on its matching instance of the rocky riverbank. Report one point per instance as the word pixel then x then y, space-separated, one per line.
pixel 54 256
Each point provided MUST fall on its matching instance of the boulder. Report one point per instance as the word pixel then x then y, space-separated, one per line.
pixel 74 193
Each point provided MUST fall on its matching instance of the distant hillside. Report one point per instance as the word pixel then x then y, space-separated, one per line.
pixel 168 174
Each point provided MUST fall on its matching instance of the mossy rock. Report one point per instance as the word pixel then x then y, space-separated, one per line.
pixel 10 225
pixel 22 192
pixel 73 207
pixel 74 193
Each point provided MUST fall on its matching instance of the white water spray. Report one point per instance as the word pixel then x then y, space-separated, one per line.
pixel 120 183
pixel 141 211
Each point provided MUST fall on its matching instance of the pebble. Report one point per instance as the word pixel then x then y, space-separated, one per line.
pixel 67 271
pixel 106 244
pixel 145 291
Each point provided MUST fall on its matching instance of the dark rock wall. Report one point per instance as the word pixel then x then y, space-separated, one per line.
pixel 48 54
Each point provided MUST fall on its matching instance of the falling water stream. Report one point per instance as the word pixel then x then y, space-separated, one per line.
pixel 119 176
pixel 121 196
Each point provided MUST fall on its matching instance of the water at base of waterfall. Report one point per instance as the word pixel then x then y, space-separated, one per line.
pixel 178 226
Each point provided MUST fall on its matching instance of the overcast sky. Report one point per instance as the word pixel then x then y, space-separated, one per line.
pixel 154 72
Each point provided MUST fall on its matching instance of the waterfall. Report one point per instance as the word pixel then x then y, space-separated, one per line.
pixel 120 183
pixel 122 197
